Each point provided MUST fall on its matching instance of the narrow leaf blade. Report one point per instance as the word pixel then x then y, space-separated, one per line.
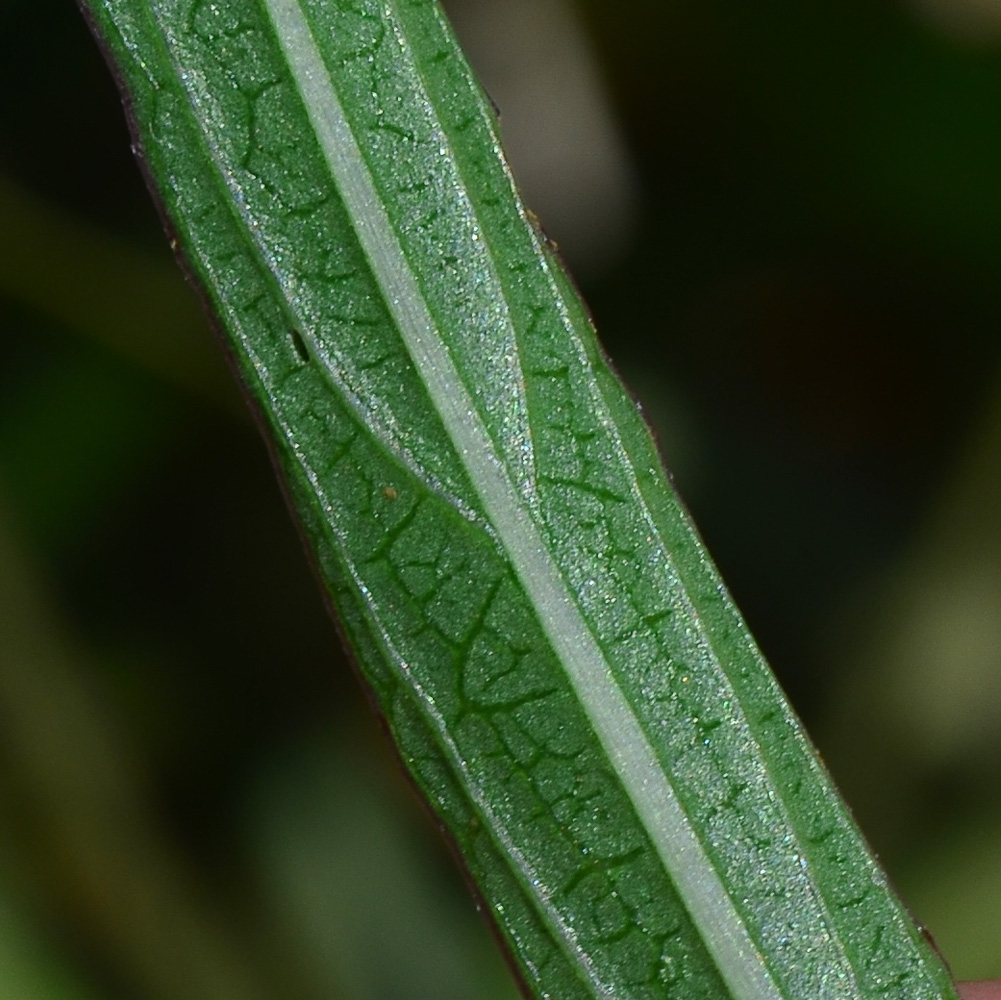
pixel 565 675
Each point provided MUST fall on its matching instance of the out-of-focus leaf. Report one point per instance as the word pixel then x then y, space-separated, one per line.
pixel 101 287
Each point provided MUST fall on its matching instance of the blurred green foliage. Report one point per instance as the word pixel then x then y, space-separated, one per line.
pixel 194 799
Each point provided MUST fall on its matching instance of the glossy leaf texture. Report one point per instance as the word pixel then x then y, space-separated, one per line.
pixel 565 675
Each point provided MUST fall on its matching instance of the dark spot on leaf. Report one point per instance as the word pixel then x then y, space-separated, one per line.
pixel 300 346
pixel 495 107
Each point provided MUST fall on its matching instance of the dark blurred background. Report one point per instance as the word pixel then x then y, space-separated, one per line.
pixel 786 218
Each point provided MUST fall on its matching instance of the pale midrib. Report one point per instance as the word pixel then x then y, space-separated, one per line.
pixel 630 752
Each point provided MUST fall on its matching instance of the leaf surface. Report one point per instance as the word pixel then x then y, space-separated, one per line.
pixel 563 671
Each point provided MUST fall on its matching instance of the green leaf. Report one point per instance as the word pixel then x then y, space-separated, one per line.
pixel 565 675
